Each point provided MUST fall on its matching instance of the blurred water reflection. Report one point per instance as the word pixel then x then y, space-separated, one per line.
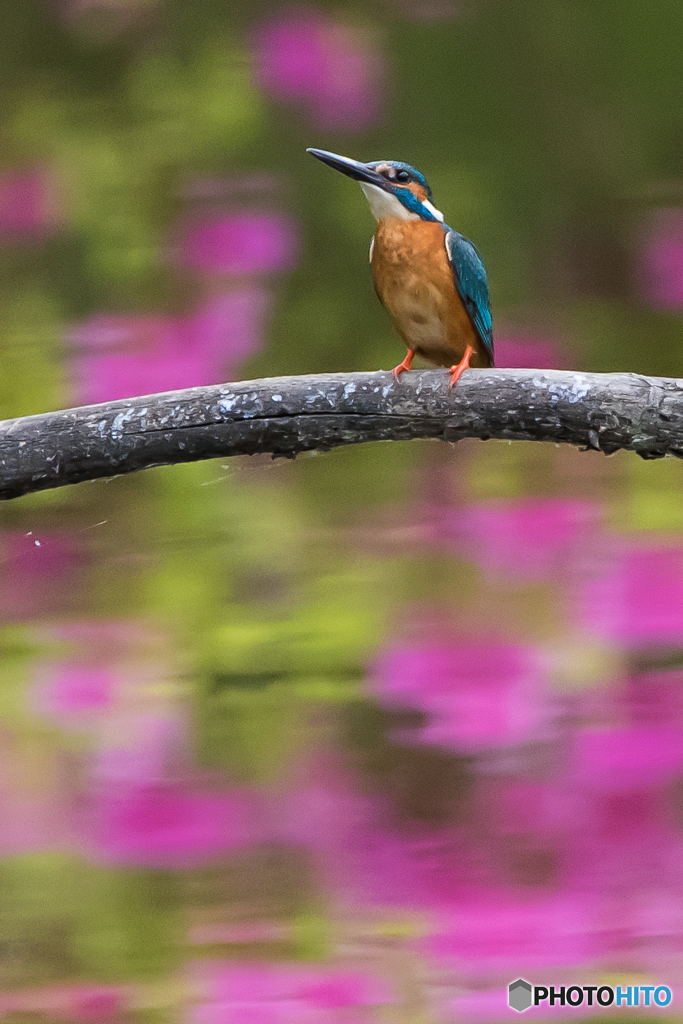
pixel 366 736
pixel 280 809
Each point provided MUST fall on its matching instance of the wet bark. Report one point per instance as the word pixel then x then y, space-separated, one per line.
pixel 288 415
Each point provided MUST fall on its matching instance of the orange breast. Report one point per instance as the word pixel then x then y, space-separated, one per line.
pixel 413 279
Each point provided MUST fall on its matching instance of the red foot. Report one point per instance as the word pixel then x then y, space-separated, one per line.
pixel 456 372
pixel 406 364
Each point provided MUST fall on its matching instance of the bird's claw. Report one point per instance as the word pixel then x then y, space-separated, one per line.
pixel 405 365
pixel 457 371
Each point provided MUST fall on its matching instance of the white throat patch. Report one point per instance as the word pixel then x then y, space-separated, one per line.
pixel 383 204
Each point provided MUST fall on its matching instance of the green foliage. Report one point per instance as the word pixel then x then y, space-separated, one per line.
pixel 66 918
pixel 312 937
pixel 31 377
pixel 119 154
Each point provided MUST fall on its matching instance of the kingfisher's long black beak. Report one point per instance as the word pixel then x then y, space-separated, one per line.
pixel 353 168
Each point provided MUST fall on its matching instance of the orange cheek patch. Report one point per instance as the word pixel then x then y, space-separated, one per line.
pixel 417 190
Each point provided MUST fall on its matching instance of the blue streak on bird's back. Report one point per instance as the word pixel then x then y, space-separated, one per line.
pixel 470 280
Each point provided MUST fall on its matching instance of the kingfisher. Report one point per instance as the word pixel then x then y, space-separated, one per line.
pixel 430 278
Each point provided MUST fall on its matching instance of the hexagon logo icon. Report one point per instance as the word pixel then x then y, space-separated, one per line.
pixel 519 995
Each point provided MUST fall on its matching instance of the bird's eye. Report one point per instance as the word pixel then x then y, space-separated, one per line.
pixel 402 176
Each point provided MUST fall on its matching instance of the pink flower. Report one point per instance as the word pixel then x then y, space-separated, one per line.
pixel 34 802
pixel 521 350
pixel 659 268
pixel 626 851
pixel 124 356
pixel 281 989
pixel 39 573
pixel 72 691
pixel 146 807
pixel 78 1004
pixel 251 1012
pixel 485 1005
pixel 29 820
pixel 530 538
pixel 26 205
pixel 477 695
pixel 242 244
pixel 617 760
pixel 515 933
pixel 328 69
pixel 513 806
pixel 636 596
pixel 169 825
pixel 153 748
pixel 654 698
pixel 92 1004
pixel 330 989
pixel 617 880
pixel 346 831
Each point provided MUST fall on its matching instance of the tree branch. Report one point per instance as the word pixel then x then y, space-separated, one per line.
pixel 288 415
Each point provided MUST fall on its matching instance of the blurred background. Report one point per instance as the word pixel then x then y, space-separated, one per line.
pixel 366 736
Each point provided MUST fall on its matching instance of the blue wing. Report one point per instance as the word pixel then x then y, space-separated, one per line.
pixel 470 280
